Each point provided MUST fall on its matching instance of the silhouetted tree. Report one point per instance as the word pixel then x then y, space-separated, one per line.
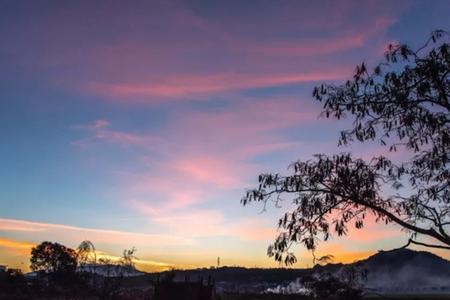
pixel 86 253
pixel 326 259
pixel 128 257
pixel 114 272
pixel 53 257
pixel 13 283
pixel 404 103
pixel 346 284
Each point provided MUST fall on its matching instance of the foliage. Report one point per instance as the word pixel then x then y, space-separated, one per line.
pixel 111 284
pixel 53 258
pixel 347 284
pixel 323 260
pixel 128 257
pixel 404 103
pixel 13 281
pixel 86 253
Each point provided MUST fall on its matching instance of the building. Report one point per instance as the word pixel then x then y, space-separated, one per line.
pixel 2 269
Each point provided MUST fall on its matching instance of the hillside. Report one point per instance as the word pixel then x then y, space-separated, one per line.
pixel 395 271
pixel 407 270
pixel 402 270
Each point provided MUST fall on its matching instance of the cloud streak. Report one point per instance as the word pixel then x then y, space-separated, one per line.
pixel 208 84
pixel 39 229
pixel 15 245
pixel 126 57
pixel 200 155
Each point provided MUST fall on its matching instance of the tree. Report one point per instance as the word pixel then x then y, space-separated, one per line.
pixel 128 258
pixel 13 283
pixel 404 104
pixel 346 284
pixel 53 258
pixel 112 280
pixel 86 253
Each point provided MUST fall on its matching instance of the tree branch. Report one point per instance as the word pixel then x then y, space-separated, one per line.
pixel 411 241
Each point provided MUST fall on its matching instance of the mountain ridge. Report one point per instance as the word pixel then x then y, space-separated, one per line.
pixel 402 270
pixel 391 271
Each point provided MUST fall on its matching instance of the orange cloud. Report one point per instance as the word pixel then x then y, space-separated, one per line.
pixel 342 254
pixel 373 231
pixel 7 243
pixel 74 234
pixel 15 248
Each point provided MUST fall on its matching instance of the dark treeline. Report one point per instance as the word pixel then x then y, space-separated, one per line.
pixel 59 272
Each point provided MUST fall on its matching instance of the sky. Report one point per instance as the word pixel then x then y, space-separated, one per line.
pixel 142 123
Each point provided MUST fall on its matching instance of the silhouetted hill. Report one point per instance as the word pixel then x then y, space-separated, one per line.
pixel 399 271
pixel 396 259
pixel 405 269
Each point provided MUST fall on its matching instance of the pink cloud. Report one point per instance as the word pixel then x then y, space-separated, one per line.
pixel 253 229
pixel 211 170
pixel 205 154
pixel 322 46
pixel 373 231
pixel 310 47
pixel 200 156
pixel 122 53
pixel 251 117
pixel 194 222
pixel 193 84
pixel 172 199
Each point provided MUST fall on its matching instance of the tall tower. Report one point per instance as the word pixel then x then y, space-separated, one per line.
pixel 218 261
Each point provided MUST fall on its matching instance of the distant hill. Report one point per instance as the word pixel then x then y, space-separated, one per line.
pixel 404 269
pixel 395 271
